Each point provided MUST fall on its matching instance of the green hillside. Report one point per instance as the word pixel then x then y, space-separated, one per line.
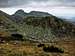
pixel 34 28
pixel 6 24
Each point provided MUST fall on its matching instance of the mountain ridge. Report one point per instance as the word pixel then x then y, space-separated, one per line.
pixel 44 28
pixel 31 13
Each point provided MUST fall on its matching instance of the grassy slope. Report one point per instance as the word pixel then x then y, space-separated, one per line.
pixel 31 49
pixel 8 25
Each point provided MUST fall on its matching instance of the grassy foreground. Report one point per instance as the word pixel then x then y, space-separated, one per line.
pixel 31 49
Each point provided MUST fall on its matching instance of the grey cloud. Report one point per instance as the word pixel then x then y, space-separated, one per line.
pixel 3 3
pixel 11 3
pixel 69 0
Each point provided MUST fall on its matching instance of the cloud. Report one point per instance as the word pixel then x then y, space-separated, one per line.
pixel 3 3
pixel 13 3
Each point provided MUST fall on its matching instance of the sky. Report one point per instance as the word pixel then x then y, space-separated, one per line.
pixel 55 7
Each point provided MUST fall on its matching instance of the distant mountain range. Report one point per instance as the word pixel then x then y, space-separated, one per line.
pixel 37 26
pixel 71 19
